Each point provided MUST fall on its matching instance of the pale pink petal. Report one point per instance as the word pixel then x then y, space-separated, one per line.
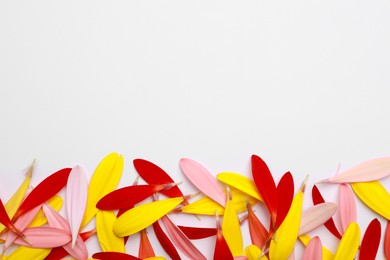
pixel 79 250
pixel 315 216
pixel 181 241
pixel 44 237
pixel 21 224
pixel 203 180
pixel 371 170
pixel 54 219
pixel 292 255
pixel 313 250
pixel 347 207
pixel 76 199
pixel 240 258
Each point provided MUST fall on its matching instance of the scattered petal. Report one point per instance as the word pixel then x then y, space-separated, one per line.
pixel 349 243
pixel 222 250
pixel 128 196
pixel 44 237
pixel 370 241
pixel 145 247
pixel 109 242
pixel 347 207
pixel 104 180
pixel 153 174
pixel 285 190
pixel 203 180
pixel 313 250
pixel 165 242
pixel 257 230
pixel 181 241
pixel 40 219
pixel 114 256
pixel 330 225
pixel 254 253
pixel 45 190
pixel 231 228
pixel 266 186
pixel 285 236
pixel 316 216
pixel 326 254
pixel 76 199
pixel 142 216
pixel 373 194
pixel 240 183
pixel 198 232
pixel 370 170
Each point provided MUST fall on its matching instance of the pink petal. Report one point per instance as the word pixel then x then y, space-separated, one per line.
pixel 76 199
pixel 347 207
pixel 21 224
pixel 313 250
pixel 181 241
pixel 371 170
pixel 55 220
pixel 315 216
pixel 203 180
pixel 44 237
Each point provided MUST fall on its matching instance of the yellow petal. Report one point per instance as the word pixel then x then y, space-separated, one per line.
pixel 142 216
pixel 285 236
pixel 155 258
pixel 373 194
pixel 14 202
pixel 254 253
pixel 349 243
pixel 104 180
pixel 40 219
pixel 24 252
pixel 326 253
pixel 240 183
pixel 231 229
pixel 107 239
pixel 206 206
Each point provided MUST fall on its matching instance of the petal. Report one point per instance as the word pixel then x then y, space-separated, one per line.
pixel 349 243
pixel 313 250
pixel 76 199
pixel 265 185
pixel 371 240
pixel 104 180
pixel 165 242
pixel 145 247
pixel 181 241
pixel 316 216
pixel 197 232
pixel 240 183
pixel 285 191
pixel 286 235
pixel 203 180
pixel 109 242
pixel 373 194
pixel 371 170
pixel 347 207
pixel 142 216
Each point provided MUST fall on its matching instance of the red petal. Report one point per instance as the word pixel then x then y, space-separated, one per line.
pixel 197 232
pixel 257 231
pixel 266 185
pixel 371 240
pixel 153 174
pixel 285 197
pixel 127 197
pixel 145 248
pixel 317 199
pixel 44 191
pixel 386 243
pixel 4 219
pixel 165 242
pixel 114 256
pixel 222 250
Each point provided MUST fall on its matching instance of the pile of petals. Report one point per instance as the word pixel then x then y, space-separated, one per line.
pixel 32 227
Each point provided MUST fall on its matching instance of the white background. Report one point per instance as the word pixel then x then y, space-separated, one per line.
pixel 303 84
